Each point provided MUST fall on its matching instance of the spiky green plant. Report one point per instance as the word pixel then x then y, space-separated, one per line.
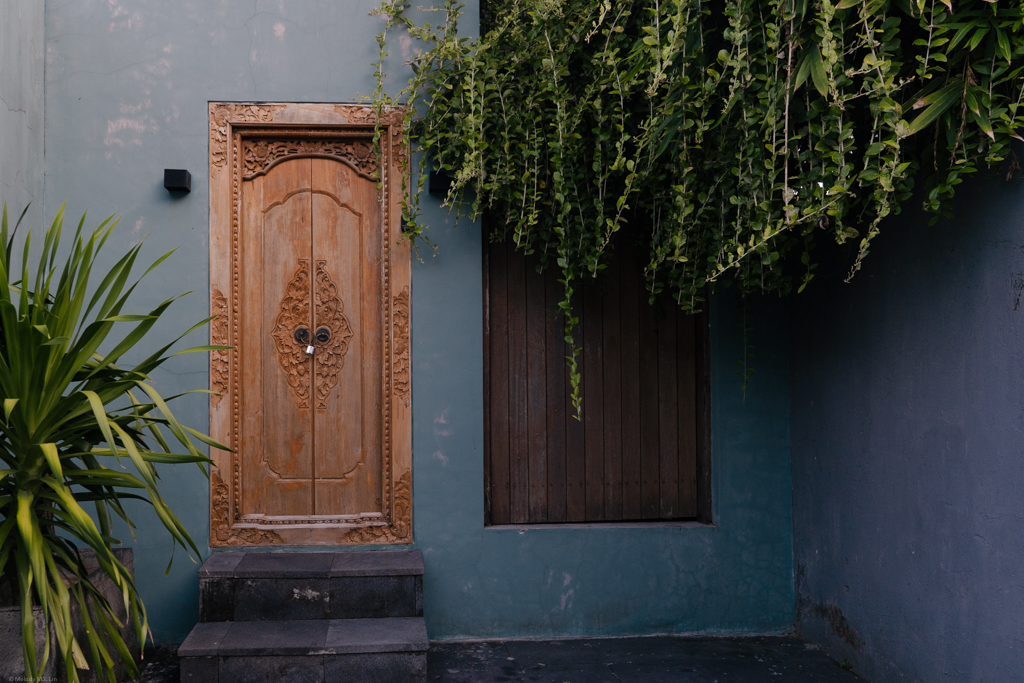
pixel 68 408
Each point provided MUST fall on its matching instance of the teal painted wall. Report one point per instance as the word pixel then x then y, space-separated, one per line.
pixel 126 92
pixel 609 580
pixel 21 107
pixel 127 87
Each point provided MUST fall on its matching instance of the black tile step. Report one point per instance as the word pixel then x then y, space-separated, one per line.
pixel 306 650
pixel 275 586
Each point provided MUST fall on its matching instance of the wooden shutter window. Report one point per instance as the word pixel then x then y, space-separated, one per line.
pixel 641 451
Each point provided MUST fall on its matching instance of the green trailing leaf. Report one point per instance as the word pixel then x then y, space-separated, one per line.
pixel 818 74
pixel 688 127
pixel 67 410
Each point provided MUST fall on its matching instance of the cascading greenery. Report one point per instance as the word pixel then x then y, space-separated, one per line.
pixel 729 136
pixel 67 410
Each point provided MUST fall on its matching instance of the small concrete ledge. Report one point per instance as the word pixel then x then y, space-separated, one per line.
pixel 311 565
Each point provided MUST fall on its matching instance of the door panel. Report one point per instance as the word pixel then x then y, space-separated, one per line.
pixel 346 248
pixel 275 368
pixel 312 245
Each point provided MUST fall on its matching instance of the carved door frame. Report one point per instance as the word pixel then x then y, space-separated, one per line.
pixel 341 132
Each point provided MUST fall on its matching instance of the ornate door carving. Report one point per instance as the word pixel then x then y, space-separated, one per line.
pixel 310 286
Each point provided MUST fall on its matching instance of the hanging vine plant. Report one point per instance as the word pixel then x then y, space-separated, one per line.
pixel 730 136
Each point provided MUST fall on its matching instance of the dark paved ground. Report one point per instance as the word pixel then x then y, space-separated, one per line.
pixel 635 660
pixel 160 666
pixel 607 660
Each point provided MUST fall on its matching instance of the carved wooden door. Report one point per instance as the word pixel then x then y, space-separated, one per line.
pixel 311 342
pixel 310 288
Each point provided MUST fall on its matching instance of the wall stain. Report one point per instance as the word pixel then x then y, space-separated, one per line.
pixel 841 628
pixel 828 612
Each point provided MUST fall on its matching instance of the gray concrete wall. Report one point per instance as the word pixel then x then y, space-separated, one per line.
pixel 21 108
pixel 127 86
pixel 907 419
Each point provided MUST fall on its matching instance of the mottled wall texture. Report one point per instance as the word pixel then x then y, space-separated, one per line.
pixel 610 580
pixel 21 107
pixel 127 91
pixel 907 418
pixel 127 87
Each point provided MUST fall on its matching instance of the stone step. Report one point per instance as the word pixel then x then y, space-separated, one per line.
pixel 276 586
pixel 318 651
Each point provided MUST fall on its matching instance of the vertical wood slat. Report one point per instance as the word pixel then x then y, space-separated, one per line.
pixel 518 456
pixel 499 389
pixel 668 413
pixel 575 440
pixel 593 402
pixel 687 416
pixel 536 380
pixel 650 470
pixel 486 274
pixel 639 450
pixel 556 401
pixel 612 393
pixel 702 342
pixel 629 325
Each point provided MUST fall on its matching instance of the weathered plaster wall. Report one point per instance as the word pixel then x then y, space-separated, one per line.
pixel 21 108
pixel 907 415
pixel 127 86
pixel 735 577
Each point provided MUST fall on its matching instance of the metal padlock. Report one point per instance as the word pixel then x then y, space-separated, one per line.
pixel 309 350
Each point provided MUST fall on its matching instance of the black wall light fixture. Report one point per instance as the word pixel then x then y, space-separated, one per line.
pixel 177 180
pixel 439 182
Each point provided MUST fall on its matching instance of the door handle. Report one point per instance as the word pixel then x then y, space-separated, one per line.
pixel 302 336
pixel 321 337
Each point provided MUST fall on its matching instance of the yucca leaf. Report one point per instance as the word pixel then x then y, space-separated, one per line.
pixel 28 527
pixel 114 273
pixel 10 240
pixel 144 468
pixel 157 262
pixel 152 426
pixel 115 637
pixel 207 440
pixel 9 404
pixel 23 297
pixel 73 512
pixel 172 423
pixel 28 622
pixel 101 417
pixel 5 548
pixel 128 318
pixel 52 458
pixel 133 337
pixel 57 341
pixel 207 347
pixel 62 400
